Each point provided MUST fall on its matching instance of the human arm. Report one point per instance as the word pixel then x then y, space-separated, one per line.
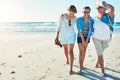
pixel 57 36
pixel 79 27
pixel 59 27
pixel 82 37
pixel 75 26
pixel 109 7
pixel 91 22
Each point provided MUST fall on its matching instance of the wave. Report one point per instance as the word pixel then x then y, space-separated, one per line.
pixel 37 26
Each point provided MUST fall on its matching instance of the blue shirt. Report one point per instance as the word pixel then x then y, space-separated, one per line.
pixel 107 19
pixel 80 25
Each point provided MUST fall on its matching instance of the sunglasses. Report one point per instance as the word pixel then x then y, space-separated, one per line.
pixel 86 12
pixel 69 22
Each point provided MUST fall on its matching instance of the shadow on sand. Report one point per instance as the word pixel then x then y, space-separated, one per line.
pixel 94 75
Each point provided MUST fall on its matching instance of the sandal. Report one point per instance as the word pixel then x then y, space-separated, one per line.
pixel 57 42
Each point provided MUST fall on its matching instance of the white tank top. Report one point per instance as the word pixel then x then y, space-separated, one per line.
pixel 101 30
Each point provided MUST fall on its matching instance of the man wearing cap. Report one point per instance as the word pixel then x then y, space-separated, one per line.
pixel 102 34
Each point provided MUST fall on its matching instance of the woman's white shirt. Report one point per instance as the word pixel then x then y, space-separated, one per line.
pixel 101 30
pixel 64 23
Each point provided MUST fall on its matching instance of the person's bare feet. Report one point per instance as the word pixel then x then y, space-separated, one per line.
pixel 101 74
pixel 67 62
pixel 84 67
pixel 71 72
pixel 97 65
pixel 79 72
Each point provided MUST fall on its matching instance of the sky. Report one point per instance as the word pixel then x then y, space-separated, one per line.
pixel 46 10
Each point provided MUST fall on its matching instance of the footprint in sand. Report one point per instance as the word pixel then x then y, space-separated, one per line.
pixel 89 55
pixel 42 77
pixel 53 59
pixel 113 51
pixel 13 78
pixel 2 63
pixel 108 63
pixel 75 58
pixel 118 57
pixel 19 56
pixel 59 76
pixel 92 60
pixel 25 52
pixel 35 78
pixel 48 69
pixel 13 72
pixel 26 66
pixel 13 67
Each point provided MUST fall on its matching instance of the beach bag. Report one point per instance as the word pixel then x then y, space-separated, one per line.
pixel 57 42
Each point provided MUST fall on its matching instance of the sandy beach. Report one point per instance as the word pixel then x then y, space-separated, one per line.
pixel 36 57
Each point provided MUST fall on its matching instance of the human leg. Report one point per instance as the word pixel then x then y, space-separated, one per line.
pixel 104 46
pixel 101 62
pixel 97 64
pixel 85 48
pixel 81 55
pixel 71 52
pixel 99 49
pixel 65 46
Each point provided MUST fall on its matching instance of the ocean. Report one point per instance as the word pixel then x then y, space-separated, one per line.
pixel 37 27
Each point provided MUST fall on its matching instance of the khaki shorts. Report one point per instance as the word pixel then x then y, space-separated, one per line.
pixel 100 45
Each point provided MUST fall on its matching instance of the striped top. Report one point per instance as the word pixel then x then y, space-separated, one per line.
pixel 85 29
pixel 80 24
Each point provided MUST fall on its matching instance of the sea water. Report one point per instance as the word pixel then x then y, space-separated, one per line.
pixel 37 27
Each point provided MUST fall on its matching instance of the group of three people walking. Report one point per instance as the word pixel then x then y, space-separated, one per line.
pixel 100 29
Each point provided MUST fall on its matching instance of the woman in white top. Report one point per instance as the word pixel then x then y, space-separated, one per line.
pixel 102 31
pixel 67 35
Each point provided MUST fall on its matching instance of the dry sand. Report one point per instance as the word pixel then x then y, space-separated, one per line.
pixel 35 57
